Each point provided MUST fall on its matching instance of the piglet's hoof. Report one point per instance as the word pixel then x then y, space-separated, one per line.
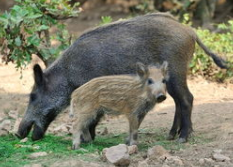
pixel 75 147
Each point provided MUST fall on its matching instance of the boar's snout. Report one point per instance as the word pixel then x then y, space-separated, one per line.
pixel 161 97
pixel 38 133
pixel 24 129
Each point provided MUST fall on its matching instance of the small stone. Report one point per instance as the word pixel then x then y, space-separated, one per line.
pixel 13 114
pixel 201 161
pixel 175 160
pixel 104 132
pixel 156 152
pixel 16 125
pixel 5 125
pixel 220 158
pixel 165 165
pixel 3 132
pixel 1 119
pixel 143 163
pixel 117 155
pixel 37 155
pixel 61 128
pixel 218 151
pixel 208 160
pixel 33 165
pixel 132 149
pixel 24 140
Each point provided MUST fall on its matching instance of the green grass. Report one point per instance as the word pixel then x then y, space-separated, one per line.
pixel 14 154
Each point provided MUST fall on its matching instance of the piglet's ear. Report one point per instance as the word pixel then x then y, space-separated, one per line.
pixel 38 75
pixel 142 71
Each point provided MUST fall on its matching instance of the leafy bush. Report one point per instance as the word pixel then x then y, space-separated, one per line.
pixel 219 43
pixel 26 30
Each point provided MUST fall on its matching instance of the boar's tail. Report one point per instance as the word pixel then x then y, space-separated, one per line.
pixel 218 60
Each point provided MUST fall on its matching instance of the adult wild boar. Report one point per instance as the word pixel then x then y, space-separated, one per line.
pixel 129 95
pixel 114 49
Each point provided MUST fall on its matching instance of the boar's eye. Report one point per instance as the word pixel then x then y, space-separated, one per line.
pixel 32 97
pixel 150 81
pixel 164 81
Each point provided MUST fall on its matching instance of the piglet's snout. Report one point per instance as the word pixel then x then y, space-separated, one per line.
pixel 160 97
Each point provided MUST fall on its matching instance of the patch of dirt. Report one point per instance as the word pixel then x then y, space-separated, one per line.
pixel 212 111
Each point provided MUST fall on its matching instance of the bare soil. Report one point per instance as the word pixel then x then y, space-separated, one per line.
pixel 212 111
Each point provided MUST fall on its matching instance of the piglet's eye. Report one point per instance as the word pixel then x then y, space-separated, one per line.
pixel 150 81
pixel 164 81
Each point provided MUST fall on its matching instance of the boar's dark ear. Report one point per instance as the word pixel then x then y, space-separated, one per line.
pixel 38 75
pixel 142 70
pixel 164 67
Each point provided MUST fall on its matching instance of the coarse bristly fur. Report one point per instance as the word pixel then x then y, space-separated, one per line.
pixel 114 49
pixel 129 95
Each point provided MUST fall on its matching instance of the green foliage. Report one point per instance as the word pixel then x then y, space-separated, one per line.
pixel 105 20
pixel 26 28
pixel 219 43
pixel 15 153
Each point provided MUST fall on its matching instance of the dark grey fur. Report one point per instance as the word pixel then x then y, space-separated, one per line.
pixel 115 49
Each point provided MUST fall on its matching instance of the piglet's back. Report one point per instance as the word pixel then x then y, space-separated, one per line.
pixel 120 92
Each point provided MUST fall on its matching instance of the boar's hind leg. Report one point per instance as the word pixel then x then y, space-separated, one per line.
pixel 95 122
pixel 86 136
pixel 182 123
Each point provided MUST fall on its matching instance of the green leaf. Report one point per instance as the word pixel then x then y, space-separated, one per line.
pixel 34 40
pixel 18 41
pixel 35 16
pixel 43 27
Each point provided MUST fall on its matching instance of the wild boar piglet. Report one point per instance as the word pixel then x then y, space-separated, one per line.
pixel 129 95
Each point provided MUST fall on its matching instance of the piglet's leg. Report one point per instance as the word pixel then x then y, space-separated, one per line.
pixel 133 130
pixel 76 140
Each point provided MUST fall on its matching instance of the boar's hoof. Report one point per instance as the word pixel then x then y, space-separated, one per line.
pixel 182 140
pixel 19 136
pixel 171 137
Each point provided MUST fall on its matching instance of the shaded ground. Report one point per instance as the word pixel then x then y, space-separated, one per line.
pixel 212 112
pixel 212 117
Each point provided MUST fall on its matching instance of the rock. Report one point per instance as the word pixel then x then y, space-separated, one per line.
pixel 104 132
pixel 5 127
pixel 201 161
pixel 132 149
pixel 157 152
pixel 37 155
pixel 174 160
pixel 24 140
pixel 61 128
pixel 218 151
pixel 165 165
pixel 208 161
pixel 117 155
pixel 1 119
pixel 76 163
pixel 13 114
pixel 33 165
pixel 16 125
pixel 143 163
pixel 3 132
pixel 220 158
